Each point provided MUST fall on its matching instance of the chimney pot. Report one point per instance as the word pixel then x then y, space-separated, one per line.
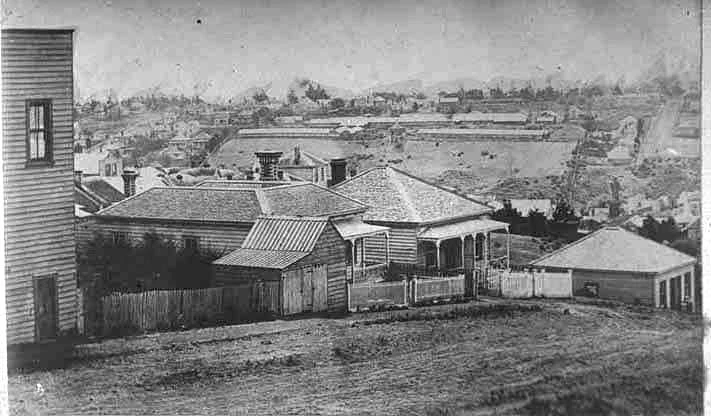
pixel 338 170
pixel 129 182
pixel 78 175
pixel 268 161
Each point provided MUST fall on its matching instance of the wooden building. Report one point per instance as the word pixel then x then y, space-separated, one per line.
pixel 38 169
pixel 616 264
pixel 429 225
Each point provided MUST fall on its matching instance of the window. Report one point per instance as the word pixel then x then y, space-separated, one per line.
pixel 107 170
pixel 39 131
pixel 663 294
pixel 191 243
pixel 119 237
pixel 687 285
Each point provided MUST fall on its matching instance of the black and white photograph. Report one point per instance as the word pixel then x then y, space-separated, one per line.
pixel 313 207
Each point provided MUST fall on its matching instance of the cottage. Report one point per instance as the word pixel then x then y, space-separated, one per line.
pixel 211 217
pixel 38 167
pixel 616 264
pixel 429 225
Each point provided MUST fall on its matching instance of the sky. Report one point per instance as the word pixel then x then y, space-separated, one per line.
pixel 221 47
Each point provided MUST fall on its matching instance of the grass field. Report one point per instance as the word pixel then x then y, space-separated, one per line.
pixel 429 159
pixel 528 357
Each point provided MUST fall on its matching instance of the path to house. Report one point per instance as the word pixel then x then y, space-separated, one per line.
pixel 566 354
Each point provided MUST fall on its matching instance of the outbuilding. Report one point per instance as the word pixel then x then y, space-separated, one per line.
pixel 613 263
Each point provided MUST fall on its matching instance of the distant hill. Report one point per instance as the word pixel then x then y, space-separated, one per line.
pixel 402 87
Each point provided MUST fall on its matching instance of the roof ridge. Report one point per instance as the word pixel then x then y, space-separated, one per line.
pixel 136 195
pixel 426 182
pixel 292 218
pixel 574 243
pixel 405 197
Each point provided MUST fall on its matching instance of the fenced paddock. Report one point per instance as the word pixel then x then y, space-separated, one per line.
pixel 424 290
pixel 371 295
pixel 121 313
pixel 536 283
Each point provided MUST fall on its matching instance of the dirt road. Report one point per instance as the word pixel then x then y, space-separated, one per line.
pixel 593 358
pixel 660 140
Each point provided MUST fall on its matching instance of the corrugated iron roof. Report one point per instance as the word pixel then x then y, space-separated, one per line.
pixel 616 249
pixel 283 233
pixel 485 132
pixel 355 228
pixel 461 228
pixel 263 259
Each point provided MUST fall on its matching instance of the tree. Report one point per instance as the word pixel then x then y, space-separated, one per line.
pixel 260 96
pixel 291 97
pixel 564 212
pixel 617 90
pixel 337 103
pixel 667 230
pixel 315 93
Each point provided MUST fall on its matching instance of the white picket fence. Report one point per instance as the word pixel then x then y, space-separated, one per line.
pixel 424 290
pixel 370 295
pixel 536 283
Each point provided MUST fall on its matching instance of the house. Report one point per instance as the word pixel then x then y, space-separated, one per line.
pixel 447 104
pixel 692 230
pixel 620 155
pixel 222 119
pixel 613 263
pixel 689 203
pixel 306 166
pixel 38 174
pixel 289 119
pixel 213 218
pixel 148 177
pixel 94 193
pixel 429 225
pixel 106 163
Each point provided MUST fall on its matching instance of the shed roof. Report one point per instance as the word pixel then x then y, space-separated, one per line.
pixel 396 196
pixel 484 132
pixel 283 233
pixel 263 259
pixel 470 227
pixel 355 228
pixel 616 249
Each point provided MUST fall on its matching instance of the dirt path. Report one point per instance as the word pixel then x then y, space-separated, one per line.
pixel 492 364
pixel 656 141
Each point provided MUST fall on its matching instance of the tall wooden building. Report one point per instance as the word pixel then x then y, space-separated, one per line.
pixel 38 165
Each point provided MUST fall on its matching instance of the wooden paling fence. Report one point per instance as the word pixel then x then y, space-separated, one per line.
pixel 533 283
pixel 371 295
pixel 424 290
pixel 171 309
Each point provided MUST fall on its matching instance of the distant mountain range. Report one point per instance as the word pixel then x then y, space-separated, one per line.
pixel 680 63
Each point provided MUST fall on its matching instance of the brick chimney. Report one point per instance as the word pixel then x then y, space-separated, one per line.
pixel 268 161
pixel 129 182
pixel 297 154
pixel 338 171
pixel 78 175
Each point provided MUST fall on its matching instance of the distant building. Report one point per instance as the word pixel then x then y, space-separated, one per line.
pixel 485 134
pixel 548 117
pixel 287 132
pixel 108 163
pixel 524 206
pixel 188 144
pixel 613 263
pixel 620 155
pixel 447 104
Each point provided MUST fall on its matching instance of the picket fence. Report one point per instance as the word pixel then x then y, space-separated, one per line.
pixel 373 295
pixel 122 313
pixel 536 283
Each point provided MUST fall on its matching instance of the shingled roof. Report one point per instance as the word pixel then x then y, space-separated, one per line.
pixel 396 196
pixel 233 204
pixel 616 249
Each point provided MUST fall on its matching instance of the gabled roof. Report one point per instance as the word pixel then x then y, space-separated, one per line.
pixel 616 249
pixel 236 204
pixel 396 196
pixel 101 187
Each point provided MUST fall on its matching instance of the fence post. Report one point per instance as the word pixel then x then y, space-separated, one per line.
pixel 348 296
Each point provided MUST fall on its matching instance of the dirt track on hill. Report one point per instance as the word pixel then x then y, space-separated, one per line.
pixel 610 359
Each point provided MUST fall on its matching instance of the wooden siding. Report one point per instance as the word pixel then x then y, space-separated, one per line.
pixel 221 238
pixel 330 249
pixel 39 200
pixel 623 287
pixel 403 246
pixel 224 275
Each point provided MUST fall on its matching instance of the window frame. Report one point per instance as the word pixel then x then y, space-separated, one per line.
pixel 48 130
pixel 119 237
pixel 194 238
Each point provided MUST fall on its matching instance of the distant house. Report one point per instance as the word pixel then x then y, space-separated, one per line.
pixel 94 193
pixel 108 163
pixel 620 155
pixel 148 177
pixel 188 144
pixel 447 104
pixel 289 119
pixel 689 203
pixel 306 166
pixel 485 134
pixel 429 225
pixel 613 263
pixel 287 133
pixel 692 231
pixel 221 119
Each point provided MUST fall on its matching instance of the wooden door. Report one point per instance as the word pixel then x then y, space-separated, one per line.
pixel 307 289
pixel 291 290
pixel 45 308
pixel 320 287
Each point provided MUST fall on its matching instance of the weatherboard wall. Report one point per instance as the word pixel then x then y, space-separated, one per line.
pixel 39 200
